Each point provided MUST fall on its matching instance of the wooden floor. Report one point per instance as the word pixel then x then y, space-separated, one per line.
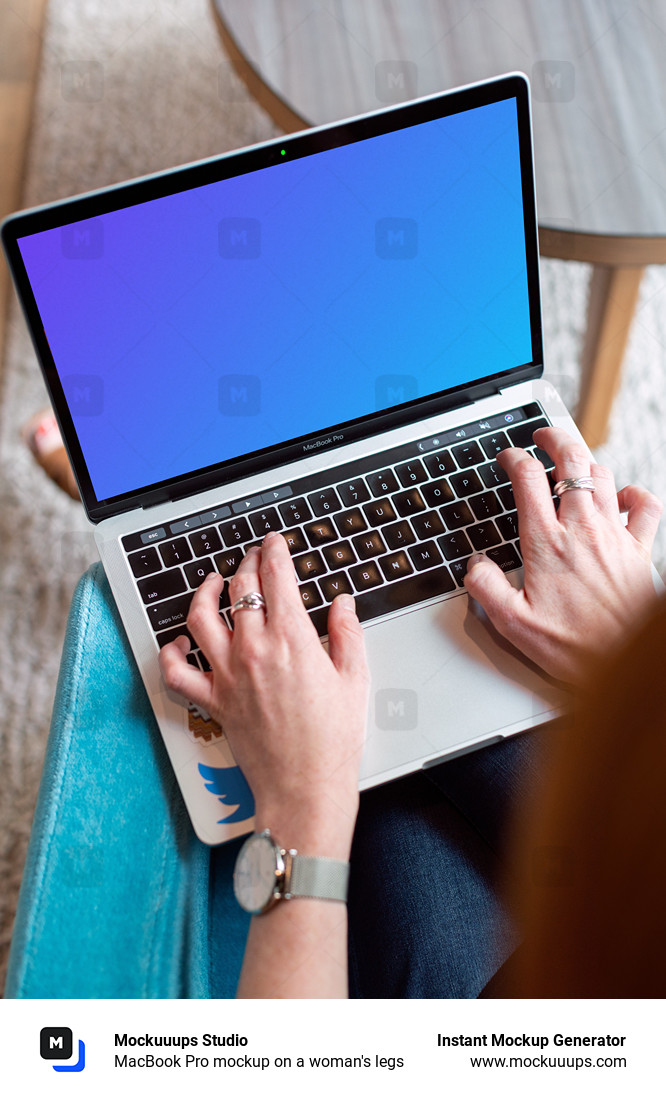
pixel 21 23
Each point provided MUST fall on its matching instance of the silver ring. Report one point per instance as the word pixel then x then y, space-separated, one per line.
pixel 253 601
pixel 573 482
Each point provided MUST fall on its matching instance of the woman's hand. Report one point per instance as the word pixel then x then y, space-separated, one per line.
pixel 587 577
pixel 294 714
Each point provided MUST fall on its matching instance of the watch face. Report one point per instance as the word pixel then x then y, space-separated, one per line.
pixel 255 873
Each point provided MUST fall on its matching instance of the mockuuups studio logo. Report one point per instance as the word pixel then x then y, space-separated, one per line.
pixel 85 240
pixel 239 238
pixel 239 395
pixel 395 81
pixel 396 709
pixel 84 393
pixel 394 389
pixel 553 81
pixel 396 238
pixel 56 1044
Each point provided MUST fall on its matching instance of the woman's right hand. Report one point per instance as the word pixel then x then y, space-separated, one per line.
pixel 587 576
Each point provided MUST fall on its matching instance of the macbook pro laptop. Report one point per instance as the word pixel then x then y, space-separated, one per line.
pixel 331 335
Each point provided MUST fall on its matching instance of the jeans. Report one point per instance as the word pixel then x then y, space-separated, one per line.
pixel 425 914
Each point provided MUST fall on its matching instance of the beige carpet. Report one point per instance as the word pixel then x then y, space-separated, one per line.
pixel 152 89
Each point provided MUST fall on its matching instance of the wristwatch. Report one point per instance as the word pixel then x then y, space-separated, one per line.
pixel 266 873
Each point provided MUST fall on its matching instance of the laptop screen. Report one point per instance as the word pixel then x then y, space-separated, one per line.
pixel 229 318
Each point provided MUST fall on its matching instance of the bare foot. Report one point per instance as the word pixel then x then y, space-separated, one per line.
pixel 42 437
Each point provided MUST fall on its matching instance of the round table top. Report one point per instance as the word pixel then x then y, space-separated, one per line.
pixel 597 71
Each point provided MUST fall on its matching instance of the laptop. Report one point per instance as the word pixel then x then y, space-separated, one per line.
pixel 332 335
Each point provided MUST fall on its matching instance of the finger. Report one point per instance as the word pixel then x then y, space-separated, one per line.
pixel 572 459
pixel 278 579
pixel 346 641
pixel 204 622
pixel 504 604
pixel 181 677
pixel 247 622
pixel 531 490
pixel 605 492
pixel 643 513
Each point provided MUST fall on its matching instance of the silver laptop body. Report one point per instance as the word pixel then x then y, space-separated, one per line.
pixel 443 681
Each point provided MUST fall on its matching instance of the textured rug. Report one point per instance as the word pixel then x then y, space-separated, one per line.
pixel 131 87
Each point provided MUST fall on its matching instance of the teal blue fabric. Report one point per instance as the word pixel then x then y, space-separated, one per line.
pixel 119 898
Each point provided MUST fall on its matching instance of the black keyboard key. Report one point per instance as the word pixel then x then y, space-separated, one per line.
pixel 227 562
pixel 506 496
pixel 295 539
pixel 493 475
pixel 175 553
pixel 483 535
pixel 411 473
pixel 369 544
pixel 398 534
pixel 456 515
pixel 337 584
pixel 378 512
pixel 545 459
pixel 171 635
pixel 485 506
pixel 310 595
pixel 507 557
pixel 162 585
pixel 492 444
pixel 437 492
pixel 324 502
pixel 507 525
pixel 459 569
pixel 341 555
pixel 428 525
pixel 309 565
pixel 365 576
pixel 455 545
pixel 439 464
pixel 197 571
pixel 467 454
pixel 353 492
pixel 320 532
pixel 170 613
pixel 350 522
pixel 521 434
pixel 144 562
pixel 404 593
pixel 395 565
pixel 235 531
pixel 465 484
pixel 295 511
pixel 425 556
pixel 263 521
pixel 205 541
pixel 409 503
pixel 192 659
pixel 381 483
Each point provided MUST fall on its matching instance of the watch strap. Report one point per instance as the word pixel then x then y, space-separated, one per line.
pixel 324 879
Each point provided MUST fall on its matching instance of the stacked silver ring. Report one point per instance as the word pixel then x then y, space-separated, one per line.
pixel 570 483
pixel 253 601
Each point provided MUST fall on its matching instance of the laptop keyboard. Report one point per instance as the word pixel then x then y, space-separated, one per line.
pixel 394 529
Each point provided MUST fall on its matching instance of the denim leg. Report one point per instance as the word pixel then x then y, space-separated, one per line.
pixel 425 917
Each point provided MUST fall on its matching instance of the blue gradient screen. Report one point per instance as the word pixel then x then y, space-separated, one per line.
pixel 229 318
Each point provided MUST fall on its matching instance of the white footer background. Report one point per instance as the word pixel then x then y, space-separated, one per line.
pixel 279 1032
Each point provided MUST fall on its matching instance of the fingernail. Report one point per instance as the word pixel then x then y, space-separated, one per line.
pixel 475 559
pixel 346 601
pixel 272 535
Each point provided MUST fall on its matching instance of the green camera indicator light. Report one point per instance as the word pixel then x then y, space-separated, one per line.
pixel 283 152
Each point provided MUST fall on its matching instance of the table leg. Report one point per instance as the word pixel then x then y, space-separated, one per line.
pixel 611 306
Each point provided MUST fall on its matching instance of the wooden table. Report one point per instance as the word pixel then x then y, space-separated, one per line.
pixel 598 74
